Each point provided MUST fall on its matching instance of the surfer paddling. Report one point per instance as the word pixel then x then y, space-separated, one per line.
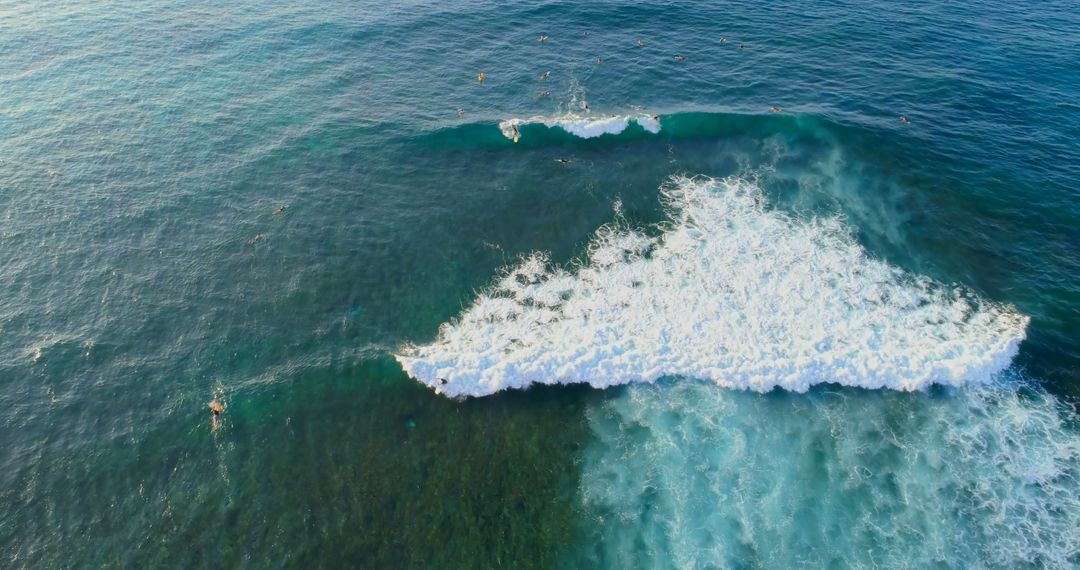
pixel 216 408
pixel 543 38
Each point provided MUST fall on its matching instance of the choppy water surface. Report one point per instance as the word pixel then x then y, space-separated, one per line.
pixel 824 337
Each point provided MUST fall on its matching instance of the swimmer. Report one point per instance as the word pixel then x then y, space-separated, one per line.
pixel 545 75
pixel 562 160
pixel 545 93
pixel 904 120
pixel 680 57
pixel 461 112
pixel 480 77
pixel 775 109
pixel 641 43
pixel 216 408
pixel 280 209
pixel 599 61
pixel 256 239
pixel 543 38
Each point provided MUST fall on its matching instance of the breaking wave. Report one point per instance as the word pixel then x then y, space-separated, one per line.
pixel 583 127
pixel 729 291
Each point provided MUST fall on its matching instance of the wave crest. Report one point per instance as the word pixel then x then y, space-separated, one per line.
pixel 730 292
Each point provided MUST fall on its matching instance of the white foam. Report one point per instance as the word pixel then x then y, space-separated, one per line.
pixel 687 476
pixel 584 127
pixel 730 292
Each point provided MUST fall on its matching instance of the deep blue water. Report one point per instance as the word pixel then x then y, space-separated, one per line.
pixel 913 289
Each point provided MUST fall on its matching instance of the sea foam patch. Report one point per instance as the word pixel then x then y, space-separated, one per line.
pixel 729 291
pixel 687 476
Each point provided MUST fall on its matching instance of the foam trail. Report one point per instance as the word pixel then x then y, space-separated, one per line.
pixel 730 292
pixel 983 477
pixel 584 127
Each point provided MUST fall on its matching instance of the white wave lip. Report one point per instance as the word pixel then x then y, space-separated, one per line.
pixel 584 127
pixel 730 292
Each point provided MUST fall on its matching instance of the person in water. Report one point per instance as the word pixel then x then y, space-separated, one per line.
pixel 599 61
pixel 562 160
pixel 775 109
pixel 216 408
pixel 904 120
pixel 280 209
pixel 256 239
pixel 545 75
pixel 461 112
pixel 480 77
pixel 517 135
pixel 641 43
pixel 543 38
pixel 680 57
pixel 545 93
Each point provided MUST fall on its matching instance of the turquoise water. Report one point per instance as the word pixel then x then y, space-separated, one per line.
pixel 823 337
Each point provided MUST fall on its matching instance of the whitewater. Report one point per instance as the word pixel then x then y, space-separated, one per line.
pixel 728 290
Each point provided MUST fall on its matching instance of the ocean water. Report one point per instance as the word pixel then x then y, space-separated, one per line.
pixel 665 327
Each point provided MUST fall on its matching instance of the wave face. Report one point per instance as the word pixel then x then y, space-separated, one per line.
pixel 686 476
pixel 730 292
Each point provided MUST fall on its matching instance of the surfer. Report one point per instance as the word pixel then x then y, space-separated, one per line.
pixel 641 43
pixel 545 75
pixel 904 120
pixel 256 239
pixel 543 38
pixel 562 160
pixel 480 77
pixel 742 46
pixel 723 40
pixel 280 209
pixel 517 135
pixel 775 109
pixel 599 61
pixel 461 112
pixel 442 381
pixel 545 93
pixel 216 408
pixel 680 57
